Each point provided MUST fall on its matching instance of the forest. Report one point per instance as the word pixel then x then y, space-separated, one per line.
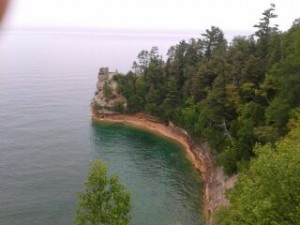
pixel 243 98
pixel 232 95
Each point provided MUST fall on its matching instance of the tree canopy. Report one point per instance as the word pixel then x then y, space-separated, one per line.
pixel 268 192
pixel 231 95
pixel 104 200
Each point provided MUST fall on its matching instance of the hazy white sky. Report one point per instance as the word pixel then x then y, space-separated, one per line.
pixel 148 14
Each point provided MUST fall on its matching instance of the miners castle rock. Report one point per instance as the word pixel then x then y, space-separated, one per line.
pixel 107 100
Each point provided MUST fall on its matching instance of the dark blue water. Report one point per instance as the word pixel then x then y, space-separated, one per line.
pixel 47 138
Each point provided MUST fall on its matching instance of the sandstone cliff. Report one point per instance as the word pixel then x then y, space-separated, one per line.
pixel 107 100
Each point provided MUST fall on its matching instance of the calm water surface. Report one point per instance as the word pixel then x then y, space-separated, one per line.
pixel 47 138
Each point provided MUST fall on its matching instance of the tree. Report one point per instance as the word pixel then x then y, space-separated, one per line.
pixel 282 88
pixel 143 61
pixel 213 39
pixel 104 200
pixel 264 26
pixel 269 191
pixel 265 30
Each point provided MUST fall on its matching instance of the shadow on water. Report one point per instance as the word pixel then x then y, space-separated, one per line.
pixel 165 187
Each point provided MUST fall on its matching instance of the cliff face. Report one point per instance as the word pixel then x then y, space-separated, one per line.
pixel 107 100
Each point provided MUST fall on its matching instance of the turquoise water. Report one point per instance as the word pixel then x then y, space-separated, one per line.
pixel 165 186
pixel 47 138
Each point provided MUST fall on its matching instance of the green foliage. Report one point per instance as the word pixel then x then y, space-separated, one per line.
pixel 265 31
pixel 213 41
pixel 231 95
pixel 264 26
pixel 119 107
pixel 228 159
pixel 96 106
pixel 265 134
pixel 104 200
pixel 278 112
pixel 269 191
pixel 107 91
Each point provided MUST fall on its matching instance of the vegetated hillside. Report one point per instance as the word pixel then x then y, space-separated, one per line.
pixel 268 192
pixel 232 95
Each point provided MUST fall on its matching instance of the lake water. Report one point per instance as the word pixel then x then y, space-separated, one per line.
pixel 47 138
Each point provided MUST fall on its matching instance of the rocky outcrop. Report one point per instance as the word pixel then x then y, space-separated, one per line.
pixel 107 100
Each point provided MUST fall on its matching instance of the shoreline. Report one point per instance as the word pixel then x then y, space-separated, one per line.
pixel 152 126
pixel 215 183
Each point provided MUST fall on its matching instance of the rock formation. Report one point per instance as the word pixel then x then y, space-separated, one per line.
pixel 107 100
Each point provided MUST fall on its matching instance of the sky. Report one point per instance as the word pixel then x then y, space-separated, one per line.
pixel 234 15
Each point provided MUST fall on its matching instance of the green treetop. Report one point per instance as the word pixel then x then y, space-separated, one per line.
pixel 104 200
pixel 269 191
